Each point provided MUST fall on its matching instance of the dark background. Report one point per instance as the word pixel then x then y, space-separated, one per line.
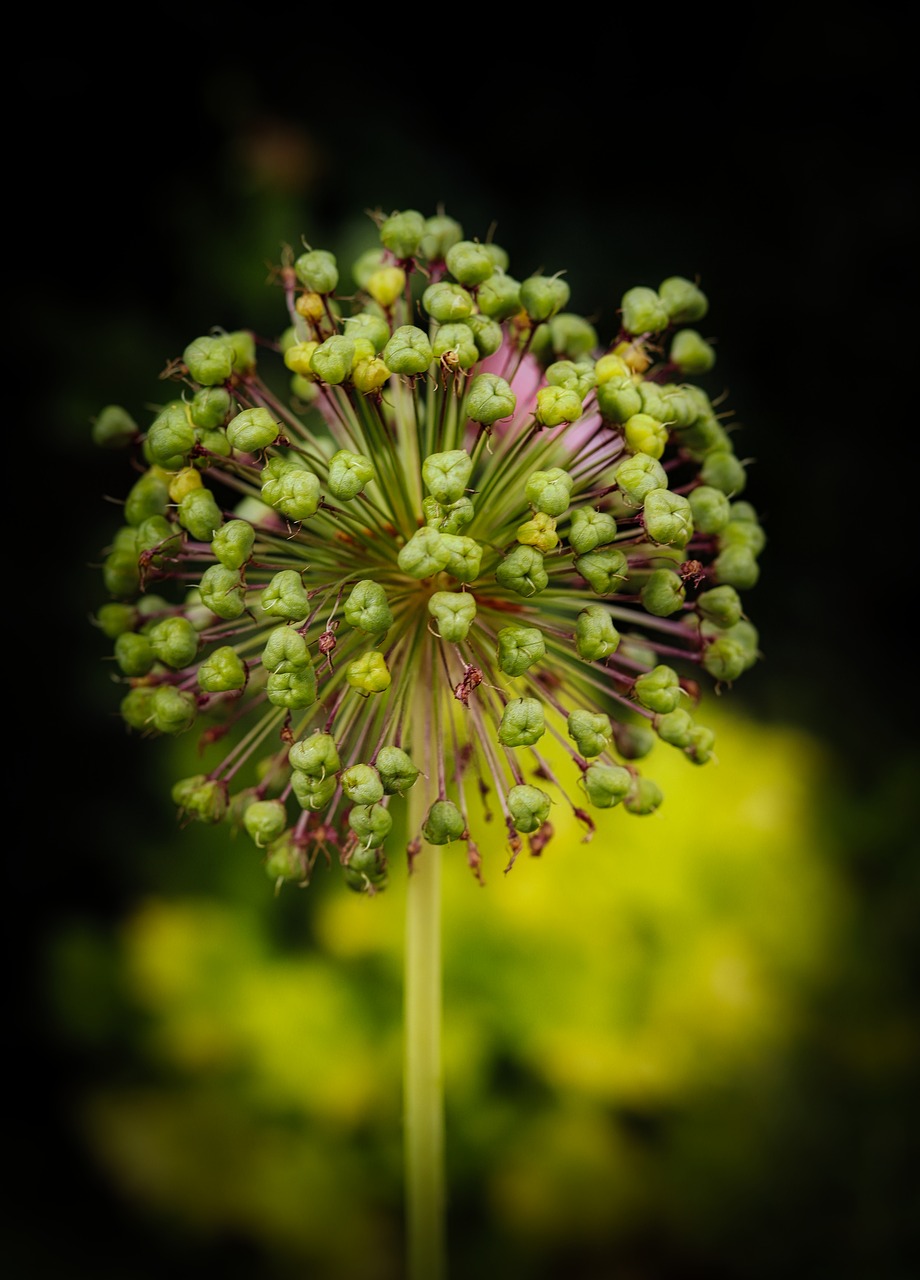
pixel 147 200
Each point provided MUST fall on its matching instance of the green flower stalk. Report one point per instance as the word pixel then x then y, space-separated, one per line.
pixel 445 527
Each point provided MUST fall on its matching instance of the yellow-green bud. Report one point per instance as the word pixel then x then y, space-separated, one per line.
pixel 549 491
pixel 643 311
pixel 556 405
pixel 264 821
pixel 469 262
pixel 407 351
pixel 604 570
pixel 317 270
pixel 368 673
pixel 685 302
pixel 543 296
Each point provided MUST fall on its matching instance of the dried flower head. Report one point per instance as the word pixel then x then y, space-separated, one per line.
pixel 446 526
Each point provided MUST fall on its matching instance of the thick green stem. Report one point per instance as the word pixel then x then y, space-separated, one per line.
pixel 424 1080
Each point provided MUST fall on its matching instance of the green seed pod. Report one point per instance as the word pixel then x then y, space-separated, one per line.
pixel 700 747
pixel 542 297
pixel 522 570
pixel 222 591
pixel 317 270
pixel 724 658
pixel 361 784
pixel 371 824
pixel 114 619
pixel 455 342
pixel 591 731
pixel 333 359
pixel 172 710
pixel 709 508
pixel 348 474
pixel 668 518
pixel 736 566
pixel 519 648
pixel 618 399
pixel 209 360
pixel 634 740
pixel 285 596
pixel 134 654
pixel 720 605
pixel 171 437
pixel 487 334
pixel 174 641
pixel 366 869
pixel 148 496
pixel 243 345
pixel 402 233
pixel 444 823
pixel 440 233
pixel 604 570
pixel 644 797
pixel 285 861
pixel 607 784
pixel 201 797
pixel 549 491
pixel 367 608
pixel 469 262
pixel 210 407
pixel 294 690
pixel 645 434
pixel 446 302
pixel 252 430
pixel 313 792
pixel 446 474
pixel 685 302
pixel 264 821
pixel 499 297
pixel 658 690
pixel 316 756
pixel 556 405
pixel 454 612
pixel 114 428
pixel 397 772
pixel 369 375
pixel 464 557
pixel 565 336
pixel 366 264
pixel 121 575
pixel 692 354
pixel 522 723
pixel 540 532
pixel 156 534
pixel 590 529
pixel 370 325
pixel 290 488
pixel 298 357
pixel 407 351
pixel 232 543
pixel 200 514
pixel 455 517
pixel 223 671
pixel 663 593
pixel 425 554
pixel 595 635
pixel 386 284
pixel 285 650
pixel 368 673
pixel 643 311
pixel 489 398
pixel 724 471
pixel 529 807
pixel 135 707
pixel 675 727
pixel 638 475
pixel 742 533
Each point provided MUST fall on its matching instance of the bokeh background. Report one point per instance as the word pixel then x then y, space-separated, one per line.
pixel 687 1051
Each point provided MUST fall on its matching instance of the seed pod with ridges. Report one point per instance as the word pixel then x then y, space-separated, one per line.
pixel 590 529
pixel 402 233
pixel 446 475
pixel 396 769
pixel 522 723
pixel 685 301
pixel 663 593
pixel 643 311
pixel 540 532
pixel 455 343
pixel 201 797
pixel 292 489
pixel 487 334
pixel 724 471
pixel 591 731
pixel 658 690
pixel 618 399
pixel 134 654
pixel 710 508
pixel 285 860
pixel 285 596
pixel 174 641
pixel 607 784
pixel 519 648
pixel 489 398
pixel 675 727
pixel 542 297
pixel 596 637
pixel 556 405
pixel 252 430
pixel 172 710
pixel 368 673
pixel 499 297
pixel 549 491
pixel 232 543
pixel 638 475
pixel 371 824
pixel 529 807
pixel 668 518
pixel 316 755
pixel 114 428
pixel 407 351
pixel 223 671
pixel 171 437
pixel 522 570
pixel 425 554
pixel 209 360
pixel 691 353
pixel 443 823
pixel 367 608
pixel 736 566
pixel 720 605
pixel 604 570
pixel 447 301
pixel 469 263
pixel 644 797
pixel 264 821
pixel 361 784
pixel 441 232
pixel 317 270
pixel 453 612
pixel 222 591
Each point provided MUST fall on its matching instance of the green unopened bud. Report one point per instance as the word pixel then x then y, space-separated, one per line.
pixel 645 434
pixel 668 518
pixel 222 671
pixel 368 673
pixel 543 296
pixel 721 605
pixel 397 772
pixel 348 474
pixel 243 345
pixel 446 302
pixel 361 784
pixel 201 797
pixel 371 824
pixel 232 543
pixel 522 723
pixel 685 301
pixel 264 821
pixel 540 532
pixel 172 710
pixel 408 351
pixel 469 263
pixel 285 649
pixel 724 471
pixel 317 270
pixel 590 730
pixel 455 343
pixel 444 823
pixel 367 607
pixel 638 475
pixel 222 591
pixel 285 860
pixel 293 689
pixel 522 570
pixel 134 653
pixel 402 233
pixel 556 405
pixel 157 535
pixel 499 297
pixel 529 807
pixel 209 360
pixel 519 648
pixel 252 430
pixel 174 641
pixel 446 474
pixel 692 354
pixel 579 378
pixel 285 596
pixel 604 570
pixel 366 868
pixel 171 436
pixel 114 428
pixel 644 797
pixel 425 554
pixel 317 756
pixel 454 612
pixel 658 690
pixel 607 784
pixel 596 637
pixel 549 491
pixel 644 311
pixel 675 727
pixel 590 529
pixel 663 593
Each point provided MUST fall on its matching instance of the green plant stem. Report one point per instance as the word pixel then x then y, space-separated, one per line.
pixel 423 1077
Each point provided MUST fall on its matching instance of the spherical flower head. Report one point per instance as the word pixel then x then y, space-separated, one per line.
pixel 446 552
